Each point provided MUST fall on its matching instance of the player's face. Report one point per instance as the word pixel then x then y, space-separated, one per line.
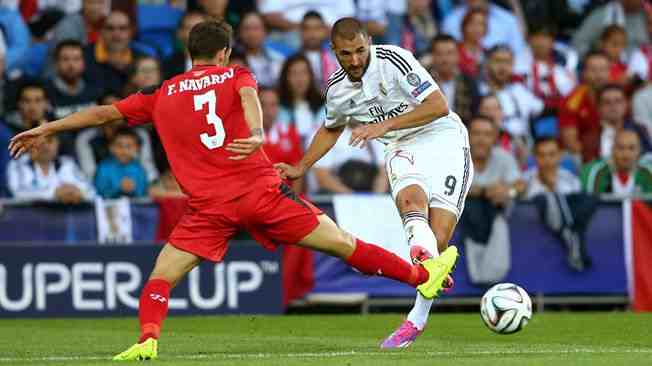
pixel 70 64
pixel 501 66
pixel 313 33
pixel 547 155
pixel 353 55
pixel 626 150
pixel 613 106
pixel 124 148
pixel 482 137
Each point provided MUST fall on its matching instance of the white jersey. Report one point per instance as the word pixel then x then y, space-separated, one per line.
pixel 393 84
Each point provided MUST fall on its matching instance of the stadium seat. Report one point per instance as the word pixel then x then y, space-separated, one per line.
pixel 157 25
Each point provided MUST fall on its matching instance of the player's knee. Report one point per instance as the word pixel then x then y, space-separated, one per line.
pixel 412 202
pixel 344 244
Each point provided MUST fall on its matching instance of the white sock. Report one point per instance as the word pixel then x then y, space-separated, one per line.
pixel 419 233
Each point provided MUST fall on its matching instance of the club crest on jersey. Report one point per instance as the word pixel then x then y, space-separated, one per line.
pixel 413 79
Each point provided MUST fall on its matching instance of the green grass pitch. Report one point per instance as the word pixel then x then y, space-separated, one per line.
pixel 451 339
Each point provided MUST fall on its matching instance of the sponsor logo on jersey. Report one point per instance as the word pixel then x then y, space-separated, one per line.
pixel 420 89
pixel 379 115
pixel 413 79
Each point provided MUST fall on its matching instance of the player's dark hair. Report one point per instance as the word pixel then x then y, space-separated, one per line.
pixel 501 47
pixel 312 14
pixel 610 87
pixel 72 43
pixel 126 132
pixel 442 38
pixel 313 96
pixel 30 84
pixel 348 28
pixel 208 38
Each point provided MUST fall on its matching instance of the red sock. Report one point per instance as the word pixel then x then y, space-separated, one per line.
pixel 374 260
pixel 153 308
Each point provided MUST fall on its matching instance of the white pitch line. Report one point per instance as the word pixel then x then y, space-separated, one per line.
pixel 347 353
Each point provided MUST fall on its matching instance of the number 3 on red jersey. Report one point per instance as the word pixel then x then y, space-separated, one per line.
pixel 217 140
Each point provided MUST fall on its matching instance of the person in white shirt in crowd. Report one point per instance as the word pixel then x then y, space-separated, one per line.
pixel 46 176
pixel 263 59
pixel 383 19
pixel 314 45
pixel 503 26
pixel 548 72
pixel 642 108
pixel 640 62
pixel 627 13
pixel 284 16
pixel 548 175
pixel 518 104
pixel 301 102
pixel 92 145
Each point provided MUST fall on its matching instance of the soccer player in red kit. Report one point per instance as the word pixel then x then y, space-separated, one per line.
pixel 210 123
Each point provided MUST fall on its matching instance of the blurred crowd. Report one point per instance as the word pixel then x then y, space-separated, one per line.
pixel 556 94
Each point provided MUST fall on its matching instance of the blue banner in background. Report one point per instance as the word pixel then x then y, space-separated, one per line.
pixel 106 280
pixel 538 262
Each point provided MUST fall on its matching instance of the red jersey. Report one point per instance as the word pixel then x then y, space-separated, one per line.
pixel 580 111
pixel 196 114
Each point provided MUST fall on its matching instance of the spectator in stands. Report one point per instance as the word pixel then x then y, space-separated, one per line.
pixel 548 73
pixel 5 136
pixel 108 60
pixel 92 144
pixel 32 107
pixel 490 108
pixel 16 37
pixel 84 27
pixel 579 123
pixel 263 60
pixel 419 27
pixel 612 43
pixel 301 102
pixel 215 9
pixel 315 46
pixel 642 109
pixel 145 71
pixel 622 174
pixel 122 174
pixel 383 19
pixel 179 62
pixel 626 13
pixel 470 48
pixel 238 58
pixel 497 175
pixel 66 89
pixel 346 169
pixel 282 141
pixel 483 226
pixel 612 107
pixel 519 105
pixel 46 176
pixel 461 91
pixel 284 17
pixel 563 208
pixel 641 58
pixel 503 26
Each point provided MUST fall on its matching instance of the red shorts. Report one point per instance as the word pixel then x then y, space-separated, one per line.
pixel 272 214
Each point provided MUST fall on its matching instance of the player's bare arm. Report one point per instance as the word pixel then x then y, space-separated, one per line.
pixel 254 116
pixel 434 106
pixel 93 116
pixel 323 141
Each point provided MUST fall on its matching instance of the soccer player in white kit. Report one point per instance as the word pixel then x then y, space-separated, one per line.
pixel 383 93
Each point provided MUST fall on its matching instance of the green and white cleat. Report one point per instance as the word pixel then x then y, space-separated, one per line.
pixel 438 268
pixel 147 350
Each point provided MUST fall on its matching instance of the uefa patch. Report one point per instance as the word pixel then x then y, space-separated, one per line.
pixel 413 79
pixel 421 88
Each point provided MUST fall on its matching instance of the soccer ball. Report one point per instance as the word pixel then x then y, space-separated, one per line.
pixel 506 308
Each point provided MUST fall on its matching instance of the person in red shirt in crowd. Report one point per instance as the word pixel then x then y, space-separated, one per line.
pixel 613 42
pixel 474 29
pixel 210 122
pixel 579 123
pixel 282 140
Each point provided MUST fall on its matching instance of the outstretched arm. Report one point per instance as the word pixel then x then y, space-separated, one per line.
pixel 319 146
pixel 93 116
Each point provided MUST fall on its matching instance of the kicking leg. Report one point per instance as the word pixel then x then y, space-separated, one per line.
pixel 171 266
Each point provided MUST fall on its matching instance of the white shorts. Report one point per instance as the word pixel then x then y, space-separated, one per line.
pixel 439 162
